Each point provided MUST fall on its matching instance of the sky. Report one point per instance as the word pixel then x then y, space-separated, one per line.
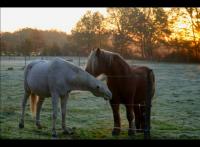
pixel 61 19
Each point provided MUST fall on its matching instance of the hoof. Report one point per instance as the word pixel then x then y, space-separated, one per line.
pixel 131 132
pixel 115 132
pixel 21 125
pixel 68 131
pixel 54 136
pixel 39 126
pixel 139 131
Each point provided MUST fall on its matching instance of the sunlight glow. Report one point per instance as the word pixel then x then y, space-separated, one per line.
pixel 182 29
pixel 182 25
pixel 64 19
pixel 60 19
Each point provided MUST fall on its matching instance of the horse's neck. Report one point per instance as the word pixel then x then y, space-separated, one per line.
pixel 81 81
pixel 119 67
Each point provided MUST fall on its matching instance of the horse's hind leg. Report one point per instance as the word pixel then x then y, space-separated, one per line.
pixel 142 117
pixel 54 115
pixel 66 130
pixel 130 117
pixel 116 115
pixel 137 111
pixel 38 110
pixel 23 105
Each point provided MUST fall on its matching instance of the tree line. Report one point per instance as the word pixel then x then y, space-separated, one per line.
pixel 142 33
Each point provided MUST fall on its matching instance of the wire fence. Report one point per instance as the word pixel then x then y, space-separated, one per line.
pixel 84 109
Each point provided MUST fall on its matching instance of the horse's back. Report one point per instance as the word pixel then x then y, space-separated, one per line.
pixel 60 68
pixel 139 69
pixel 38 68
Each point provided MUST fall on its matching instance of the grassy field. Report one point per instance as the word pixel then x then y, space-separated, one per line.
pixel 175 108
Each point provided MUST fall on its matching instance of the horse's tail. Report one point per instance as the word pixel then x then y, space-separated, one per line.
pixel 150 94
pixel 151 78
pixel 33 104
pixel 33 98
pixel 27 69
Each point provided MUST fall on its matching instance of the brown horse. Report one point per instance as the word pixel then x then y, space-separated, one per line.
pixel 128 85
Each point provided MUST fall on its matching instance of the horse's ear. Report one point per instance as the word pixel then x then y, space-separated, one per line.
pixel 98 51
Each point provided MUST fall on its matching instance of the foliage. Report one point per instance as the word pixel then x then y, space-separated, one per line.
pixel 26 47
pixel 146 33
pixel 146 27
pixel 89 32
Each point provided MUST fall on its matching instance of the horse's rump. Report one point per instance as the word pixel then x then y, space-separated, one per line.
pixel 26 73
pixel 143 74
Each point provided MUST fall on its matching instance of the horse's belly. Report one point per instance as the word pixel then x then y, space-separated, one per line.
pixel 124 93
pixel 41 90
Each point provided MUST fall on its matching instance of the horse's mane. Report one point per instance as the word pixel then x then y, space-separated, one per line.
pixel 116 59
pixel 108 55
pixel 113 62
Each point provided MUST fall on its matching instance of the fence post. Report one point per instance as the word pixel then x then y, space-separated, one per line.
pixel 25 61
pixel 147 125
pixel 79 62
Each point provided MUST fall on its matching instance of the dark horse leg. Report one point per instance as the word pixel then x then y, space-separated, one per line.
pixel 116 115
pixel 130 117
pixel 142 117
pixel 137 112
pixel 139 117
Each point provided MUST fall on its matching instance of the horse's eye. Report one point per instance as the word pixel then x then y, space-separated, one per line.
pixel 98 87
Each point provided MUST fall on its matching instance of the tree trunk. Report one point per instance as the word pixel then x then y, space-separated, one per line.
pixel 193 32
pixel 99 39
pixel 142 48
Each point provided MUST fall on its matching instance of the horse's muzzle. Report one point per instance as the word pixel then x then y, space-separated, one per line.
pixel 108 96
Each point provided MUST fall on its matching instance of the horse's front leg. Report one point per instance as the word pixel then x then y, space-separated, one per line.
pixel 130 117
pixel 117 124
pixel 23 105
pixel 38 110
pixel 66 130
pixel 54 114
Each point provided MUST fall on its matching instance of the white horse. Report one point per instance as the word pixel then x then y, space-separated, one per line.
pixel 56 79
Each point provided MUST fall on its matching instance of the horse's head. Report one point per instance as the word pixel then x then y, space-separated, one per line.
pixel 100 89
pixel 98 62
